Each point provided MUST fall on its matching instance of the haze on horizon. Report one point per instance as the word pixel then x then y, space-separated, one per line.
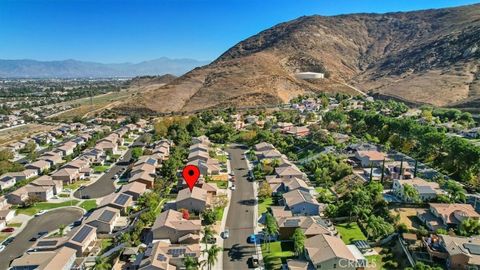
pixel 135 31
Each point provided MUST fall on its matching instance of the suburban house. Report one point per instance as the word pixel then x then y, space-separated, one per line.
pixel 39 165
pixel 134 189
pixel 263 146
pixel 47 181
pixel 301 202
pixel 289 172
pixel 460 252
pixel 143 177
pixel 170 225
pixel 298 131
pixel 104 219
pixel 18 196
pixel 107 146
pixel 83 240
pixel 63 258
pixel 198 147
pixel 370 158
pixel 7 181
pixel 426 190
pixel 201 139
pixel 445 215
pixel 311 226
pixel 94 156
pixel 67 148
pixel 67 175
pixel 120 201
pixel 82 165
pixel 206 168
pixel 329 252
pixel 49 243
pixel 52 157
pixel 143 167
pixel 195 201
pixel 41 193
pixel 393 170
pixel 198 155
pixel 23 175
pixel 147 160
pixel 163 256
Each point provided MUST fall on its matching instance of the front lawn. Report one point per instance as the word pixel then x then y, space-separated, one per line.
pixel 219 213
pixel 263 205
pixel 16 225
pixel 350 231
pixel 32 210
pixel 221 184
pixel 275 253
pixel 100 169
pixel 76 185
pixel 89 205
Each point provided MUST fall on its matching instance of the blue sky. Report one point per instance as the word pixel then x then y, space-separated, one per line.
pixel 133 31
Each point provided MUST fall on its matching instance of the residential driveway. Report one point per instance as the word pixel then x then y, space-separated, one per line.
pixel 104 185
pixel 240 214
pixel 49 221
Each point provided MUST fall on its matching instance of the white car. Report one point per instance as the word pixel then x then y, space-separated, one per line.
pixel 226 234
pixel 2 248
pixel 41 212
pixel 233 187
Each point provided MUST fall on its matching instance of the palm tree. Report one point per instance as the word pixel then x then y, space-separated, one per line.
pixel 102 263
pixel 298 241
pixel 212 255
pixel 61 230
pixel 191 263
pixel 208 233
pixel 271 227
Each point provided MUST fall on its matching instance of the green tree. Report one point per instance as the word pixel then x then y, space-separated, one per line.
pixel 102 263
pixel 411 194
pixel 209 216
pixel 208 233
pixel 137 152
pixel 377 227
pixel 191 263
pixel 455 191
pixel 469 227
pixel 271 227
pixel 265 191
pixel 298 241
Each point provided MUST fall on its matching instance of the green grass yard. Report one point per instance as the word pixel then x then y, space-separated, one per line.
pixel 100 169
pixel 32 210
pixel 76 185
pixel 263 205
pixel 350 231
pixel 221 184
pixel 275 253
pixel 89 205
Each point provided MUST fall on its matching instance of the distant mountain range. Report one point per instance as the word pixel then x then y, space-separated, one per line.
pixel 26 68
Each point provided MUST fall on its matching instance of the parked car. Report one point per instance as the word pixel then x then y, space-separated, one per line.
pixel 9 229
pixel 41 212
pixel 2 248
pixel 8 241
pixel 233 187
pixel 253 239
pixel 226 234
pixel 254 261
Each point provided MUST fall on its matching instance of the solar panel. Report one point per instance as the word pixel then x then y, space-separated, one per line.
pixel 161 257
pixel 176 252
pixel 82 234
pixel 106 216
pixel 473 248
pixel 121 199
pixel 151 161
pixel 47 243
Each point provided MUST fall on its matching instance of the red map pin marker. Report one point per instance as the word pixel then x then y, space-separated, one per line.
pixel 191 173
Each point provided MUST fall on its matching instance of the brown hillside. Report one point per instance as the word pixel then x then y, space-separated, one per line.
pixel 430 56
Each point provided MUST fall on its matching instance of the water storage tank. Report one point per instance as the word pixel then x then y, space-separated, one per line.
pixel 309 75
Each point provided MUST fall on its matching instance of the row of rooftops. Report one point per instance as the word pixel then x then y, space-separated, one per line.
pixel 322 243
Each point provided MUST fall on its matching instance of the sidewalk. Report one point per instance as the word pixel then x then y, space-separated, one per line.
pixel 219 264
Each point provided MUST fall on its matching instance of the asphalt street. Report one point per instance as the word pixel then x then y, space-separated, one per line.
pixel 240 214
pixel 49 221
pixel 104 186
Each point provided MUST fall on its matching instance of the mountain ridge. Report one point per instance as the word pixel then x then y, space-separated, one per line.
pixel 425 57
